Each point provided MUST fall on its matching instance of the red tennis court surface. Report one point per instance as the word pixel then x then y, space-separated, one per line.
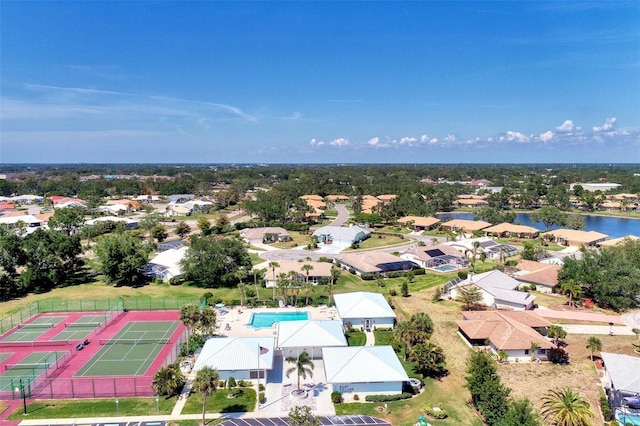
pixel 62 383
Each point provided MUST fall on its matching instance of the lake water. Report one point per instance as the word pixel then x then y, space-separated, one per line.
pixel 614 227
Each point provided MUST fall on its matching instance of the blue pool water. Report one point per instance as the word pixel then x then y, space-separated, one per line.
pixel 627 418
pixel 445 268
pixel 267 319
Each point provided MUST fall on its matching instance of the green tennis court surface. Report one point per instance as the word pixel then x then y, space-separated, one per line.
pixel 31 331
pixel 80 328
pixel 131 351
pixel 5 355
pixel 28 369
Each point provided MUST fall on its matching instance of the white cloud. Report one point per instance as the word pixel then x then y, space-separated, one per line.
pixel 424 138
pixel 433 141
pixel 450 138
pixel 515 136
pixel 315 142
pixel 339 142
pixel 568 127
pixel 374 141
pixel 408 140
pixel 608 126
pixel 546 136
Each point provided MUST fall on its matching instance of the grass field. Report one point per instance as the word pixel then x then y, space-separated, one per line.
pixel 62 408
pixel 223 401
pixel 356 338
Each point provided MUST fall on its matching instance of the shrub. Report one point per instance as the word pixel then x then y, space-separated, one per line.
pixel 352 271
pixel 419 271
pixel 356 397
pixel 231 383
pixel 261 387
pixel 437 295
pixel 392 292
pixel 558 356
pixel 336 397
pixel 261 398
pixel 463 275
pixel 606 409
pixel 436 414
pixel 368 277
pixel 387 398
pixel 241 383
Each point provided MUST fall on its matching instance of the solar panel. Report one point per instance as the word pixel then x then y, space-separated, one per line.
pixel 434 253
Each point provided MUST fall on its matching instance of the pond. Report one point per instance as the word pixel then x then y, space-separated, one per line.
pixel 614 227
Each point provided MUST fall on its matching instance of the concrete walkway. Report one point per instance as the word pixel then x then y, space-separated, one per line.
pixel 603 330
pixel 579 315
pixel 371 340
pixel 182 398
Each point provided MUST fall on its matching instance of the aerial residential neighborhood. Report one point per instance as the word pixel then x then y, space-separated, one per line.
pixel 347 313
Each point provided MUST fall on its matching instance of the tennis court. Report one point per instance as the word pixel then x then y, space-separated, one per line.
pixel 5 355
pixel 29 332
pixel 28 369
pixel 81 328
pixel 132 351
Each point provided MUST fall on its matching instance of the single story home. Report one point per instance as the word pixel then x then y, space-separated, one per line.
pixel 337 198
pixel 295 337
pixel 434 256
pixel 617 241
pixel 129 223
pixel 543 275
pixel 499 291
pixel 320 273
pixel 467 226
pixel 270 234
pixel 341 234
pixel 486 245
pixel 23 199
pixel 166 265
pixel 623 374
pixel 595 186
pixel 512 332
pixel 364 310
pixel 419 223
pixel 509 230
pixel 575 238
pixel 375 262
pixel 363 370
pixel 245 358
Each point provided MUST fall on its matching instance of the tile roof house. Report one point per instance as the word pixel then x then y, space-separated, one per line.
pixel 506 230
pixel 375 262
pixel 419 223
pixel 435 256
pixel 499 291
pixel 512 332
pixel 266 235
pixel 617 241
pixel 365 310
pixel 320 273
pixel 467 226
pixel 543 275
pixel 572 237
pixel 363 370
pixel 341 234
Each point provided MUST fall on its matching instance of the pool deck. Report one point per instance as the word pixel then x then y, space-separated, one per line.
pixel 235 323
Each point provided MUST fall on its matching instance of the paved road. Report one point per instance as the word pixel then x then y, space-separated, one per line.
pixel 632 319
pixel 343 215
pixel 579 316
pixel 603 330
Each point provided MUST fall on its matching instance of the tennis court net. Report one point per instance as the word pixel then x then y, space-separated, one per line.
pixel 82 324
pixel 135 341
pixel 37 325
pixel 38 366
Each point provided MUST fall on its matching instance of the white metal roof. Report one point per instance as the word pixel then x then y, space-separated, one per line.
pixel 299 334
pixel 342 233
pixel 362 364
pixel 236 354
pixel 624 371
pixel 363 304
pixel 171 260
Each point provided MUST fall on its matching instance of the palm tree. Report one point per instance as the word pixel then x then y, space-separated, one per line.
pixel 565 407
pixel 189 316
pixel 283 284
pixel 167 380
pixel 307 268
pixel 295 286
pixel 572 289
pixel 594 344
pixel 556 332
pixel 532 350
pixel 335 274
pixel 206 382
pixel 403 333
pixel 475 249
pixel 273 266
pixel 207 321
pixel 303 366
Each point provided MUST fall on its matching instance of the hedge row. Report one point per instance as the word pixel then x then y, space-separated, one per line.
pixel 387 398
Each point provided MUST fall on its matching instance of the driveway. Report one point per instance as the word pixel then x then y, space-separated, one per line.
pixel 632 319
pixel 579 316
pixel 618 330
pixel 343 215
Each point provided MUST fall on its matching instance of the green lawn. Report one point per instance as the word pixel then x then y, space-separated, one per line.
pixel 384 338
pixel 69 408
pixel 356 338
pixel 222 402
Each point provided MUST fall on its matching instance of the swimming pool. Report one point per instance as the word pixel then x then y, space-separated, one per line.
pixel 445 268
pixel 628 418
pixel 268 319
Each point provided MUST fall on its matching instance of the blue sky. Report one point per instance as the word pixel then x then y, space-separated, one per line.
pixel 320 82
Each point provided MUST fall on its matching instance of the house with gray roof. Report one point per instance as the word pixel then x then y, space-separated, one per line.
pixel 246 358
pixel 623 374
pixel 341 234
pixel 363 370
pixel 364 310
pixel 378 262
pixel 499 291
